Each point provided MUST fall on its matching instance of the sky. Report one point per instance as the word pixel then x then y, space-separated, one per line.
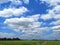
pixel 30 19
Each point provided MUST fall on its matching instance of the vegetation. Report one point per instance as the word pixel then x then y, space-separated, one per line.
pixel 10 39
pixel 29 42
pixel 17 41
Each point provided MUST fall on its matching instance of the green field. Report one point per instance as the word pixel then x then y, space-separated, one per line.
pixel 29 42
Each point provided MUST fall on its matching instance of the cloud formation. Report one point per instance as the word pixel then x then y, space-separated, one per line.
pixel 7 35
pixel 26 1
pixel 52 2
pixel 54 13
pixel 38 26
pixel 16 2
pixel 23 23
pixel 13 12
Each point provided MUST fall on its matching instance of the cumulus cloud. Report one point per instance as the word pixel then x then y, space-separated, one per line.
pixel 56 27
pixel 15 2
pixel 53 36
pixel 29 25
pixel 13 11
pixel 54 13
pixel 23 23
pixel 46 16
pixel 52 2
pixel 3 1
pixel 19 2
pixel 26 1
pixel 41 33
pixel 31 28
pixel 7 35
pixel 57 22
pixel 36 33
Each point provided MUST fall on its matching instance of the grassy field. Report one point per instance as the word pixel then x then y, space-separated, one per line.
pixel 29 42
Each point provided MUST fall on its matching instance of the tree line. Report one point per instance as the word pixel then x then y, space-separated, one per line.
pixel 10 39
pixel 19 39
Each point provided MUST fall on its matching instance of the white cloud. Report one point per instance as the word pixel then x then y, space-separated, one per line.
pixel 57 12
pixel 30 25
pixel 26 1
pixel 41 33
pixel 23 23
pixel 54 13
pixel 31 28
pixel 3 1
pixel 57 9
pixel 56 27
pixel 13 1
pixel 19 2
pixel 16 2
pixel 57 22
pixel 13 11
pixel 53 36
pixel 7 35
pixel 46 16
pixel 36 33
pixel 51 2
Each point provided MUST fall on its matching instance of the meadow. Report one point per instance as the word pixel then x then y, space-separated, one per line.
pixel 29 42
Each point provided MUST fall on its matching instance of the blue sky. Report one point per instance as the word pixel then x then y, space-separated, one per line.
pixel 30 19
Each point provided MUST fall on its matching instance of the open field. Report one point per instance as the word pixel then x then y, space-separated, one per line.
pixel 29 42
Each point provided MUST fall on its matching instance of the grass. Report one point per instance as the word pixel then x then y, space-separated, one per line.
pixel 53 43
pixel 29 42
